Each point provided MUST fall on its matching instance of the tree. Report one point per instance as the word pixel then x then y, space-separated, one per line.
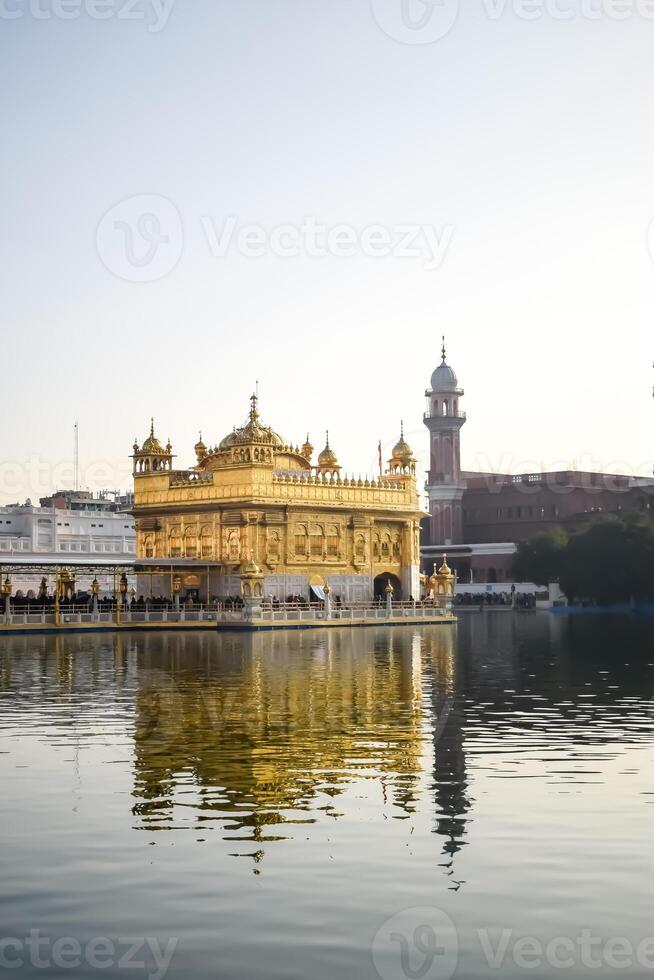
pixel 539 560
pixel 611 560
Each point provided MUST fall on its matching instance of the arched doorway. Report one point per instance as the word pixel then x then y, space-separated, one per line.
pixel 382 581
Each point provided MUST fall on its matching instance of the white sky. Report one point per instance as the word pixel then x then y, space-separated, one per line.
pixel 528 144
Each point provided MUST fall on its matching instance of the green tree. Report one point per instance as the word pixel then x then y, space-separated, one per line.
pixel 539 560
pixel 609 561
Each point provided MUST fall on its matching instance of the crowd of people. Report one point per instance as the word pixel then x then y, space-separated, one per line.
pixel 521 600
pixel 32 603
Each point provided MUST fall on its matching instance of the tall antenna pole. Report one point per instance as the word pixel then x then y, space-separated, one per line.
pixel 76 456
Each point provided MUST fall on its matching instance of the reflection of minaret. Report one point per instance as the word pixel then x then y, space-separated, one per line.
pixel 450 776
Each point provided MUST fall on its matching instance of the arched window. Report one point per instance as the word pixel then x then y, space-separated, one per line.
pixel 301 540
pixel 175 543
pixel 317 541
pixel 148 547
pixel 191 543
pixel 206 542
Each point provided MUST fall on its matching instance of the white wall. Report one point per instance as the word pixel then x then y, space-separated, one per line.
pixel 48 531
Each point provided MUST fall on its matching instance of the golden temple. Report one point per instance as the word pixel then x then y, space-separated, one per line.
pixel 256 497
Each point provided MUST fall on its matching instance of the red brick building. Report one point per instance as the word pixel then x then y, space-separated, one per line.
pixel 478 518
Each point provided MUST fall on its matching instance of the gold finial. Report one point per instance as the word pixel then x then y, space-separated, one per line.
pixel 152 427
pixel 254 411
pixel 307 448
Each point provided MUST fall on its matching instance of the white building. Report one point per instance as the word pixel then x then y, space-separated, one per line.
pixel 73 528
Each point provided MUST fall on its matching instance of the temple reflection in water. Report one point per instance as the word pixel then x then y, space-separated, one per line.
pixel 270 724
pixel 251 735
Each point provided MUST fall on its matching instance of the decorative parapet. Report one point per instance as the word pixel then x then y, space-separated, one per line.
pixel 326 480
pixel 189 478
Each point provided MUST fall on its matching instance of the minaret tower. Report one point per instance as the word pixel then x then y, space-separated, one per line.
pixel 444 484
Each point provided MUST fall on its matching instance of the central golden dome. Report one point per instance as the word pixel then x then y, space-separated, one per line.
pixel 253 432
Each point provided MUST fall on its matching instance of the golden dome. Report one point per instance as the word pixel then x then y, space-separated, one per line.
pixel 152 445
pixel 445 569
pixel 200 449
pixel 252 432
pixel 307 448
pixel 327 457
pixel 402 452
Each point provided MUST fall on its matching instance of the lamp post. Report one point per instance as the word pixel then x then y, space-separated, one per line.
pixel 6 591
pixel 177 588
pixel 123 586
pixel 95 590
pixel 389 600
pixel 57 606
pixel 328 602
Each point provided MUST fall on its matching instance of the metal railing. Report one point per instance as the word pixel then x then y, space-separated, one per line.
pixel 222 612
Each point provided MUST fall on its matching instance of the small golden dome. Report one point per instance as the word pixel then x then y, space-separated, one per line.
pixel 200 449
pixel 327 457
pixel 445 569
pixel 307 448
pixel 152 444
pixel 402 450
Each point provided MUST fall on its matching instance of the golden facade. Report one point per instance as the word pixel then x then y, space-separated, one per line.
pixel 254 496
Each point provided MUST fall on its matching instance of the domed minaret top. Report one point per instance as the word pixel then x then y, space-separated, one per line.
pixel 200 450
pixel 307 448
pixel 402 460
pixel 444 378
pixel 327 460
pixel 152 457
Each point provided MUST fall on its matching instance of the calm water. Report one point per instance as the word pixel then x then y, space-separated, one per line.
pixel 326 805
